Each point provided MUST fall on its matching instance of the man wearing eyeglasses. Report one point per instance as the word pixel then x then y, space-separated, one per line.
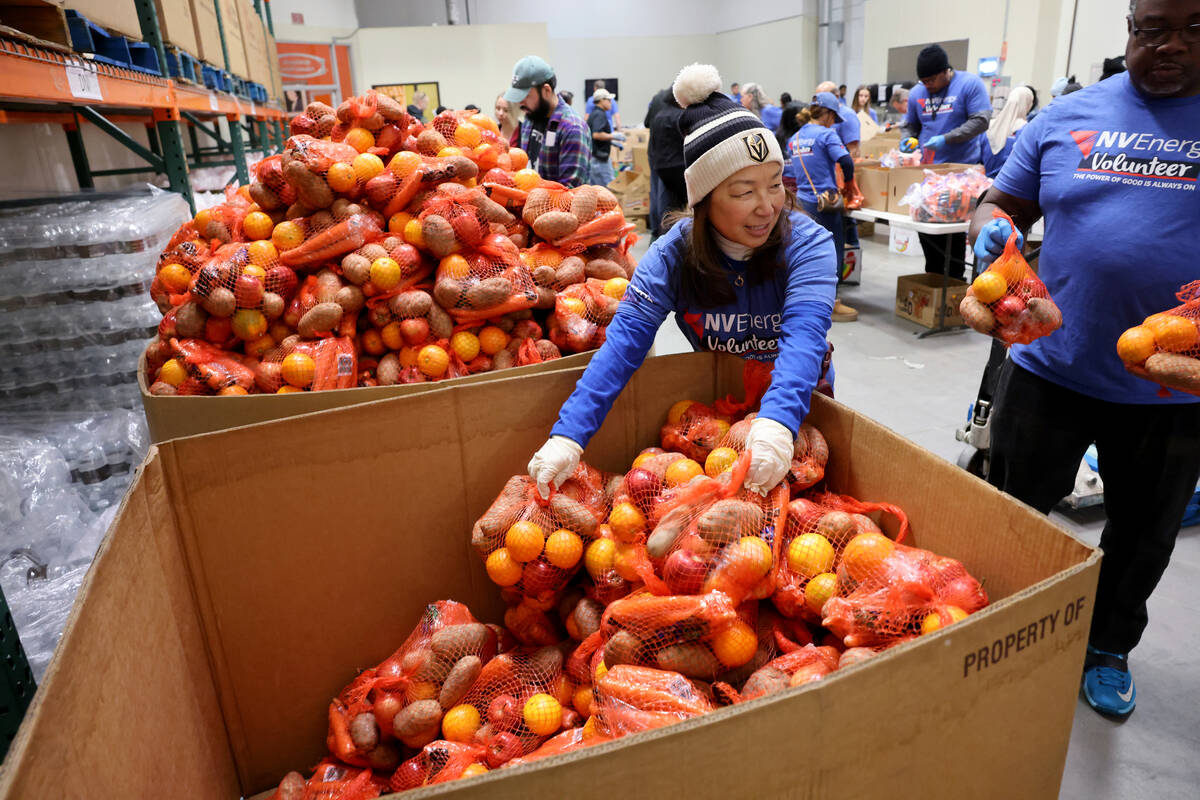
pixel 1113 169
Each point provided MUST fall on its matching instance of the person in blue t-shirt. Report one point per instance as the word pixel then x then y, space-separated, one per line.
pixel 812 153
pixel 744 275
pixel 1112 169
pixel 947 113
pixel 1002 132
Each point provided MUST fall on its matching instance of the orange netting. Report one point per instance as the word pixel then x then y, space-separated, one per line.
pixel 1008 300
pixel 582 313
pixel 331 781
pixel 1165 348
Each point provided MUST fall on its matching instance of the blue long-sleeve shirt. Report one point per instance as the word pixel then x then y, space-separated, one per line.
pixel 784 320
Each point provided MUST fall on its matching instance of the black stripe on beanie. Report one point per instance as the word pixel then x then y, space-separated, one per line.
pixel 739 120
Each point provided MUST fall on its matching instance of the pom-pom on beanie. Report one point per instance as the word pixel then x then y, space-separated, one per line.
pixel 720 137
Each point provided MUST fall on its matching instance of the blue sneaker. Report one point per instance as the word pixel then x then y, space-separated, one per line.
pixel 1107 684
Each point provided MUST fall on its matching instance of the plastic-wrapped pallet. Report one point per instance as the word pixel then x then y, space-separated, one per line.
pixel 74 316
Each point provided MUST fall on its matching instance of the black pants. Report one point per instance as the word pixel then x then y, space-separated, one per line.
pixel 935 247
pixel 1149 459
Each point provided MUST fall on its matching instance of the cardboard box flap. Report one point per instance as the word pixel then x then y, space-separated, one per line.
pixel 131 669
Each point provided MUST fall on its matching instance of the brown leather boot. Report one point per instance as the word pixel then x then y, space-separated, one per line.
pixel 843 312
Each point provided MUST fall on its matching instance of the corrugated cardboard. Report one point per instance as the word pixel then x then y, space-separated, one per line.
pixel 250 573
pixel 172 417
pixel 900 178
pixel 880 145
pixel 254 41
pixel 641 159
pixel 176 25
pixel 872 181
pixel 231 25
pixel 112 15
pixel 208 35
pixel 276 85
pixel 632 189
pixel 917 298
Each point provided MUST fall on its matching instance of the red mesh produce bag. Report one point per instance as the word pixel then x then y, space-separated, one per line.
pixel 694 429
pixel 439 762
pixel 212 368
pixel 372 123
pixel 484 283
pixel 403 699
pixel 409 174
pixel 700 636
pixel 568 741
pixel 456 218
pixel 810 456
pixel 331 781
pixel 532 546
pixel 810 549
pixel 314 167
pixel 320 239
pixel 317 120
pixel 946 197
pixel 1165 348
pixel 236 294
pixel 888 592
pixel 269 189
pixel 631 699
pixel 1008 300
pixel 804 665
pixel 582 313
pixel 710 534
pixel 575 219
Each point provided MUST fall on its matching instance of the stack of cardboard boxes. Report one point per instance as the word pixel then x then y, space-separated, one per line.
pixel 632 183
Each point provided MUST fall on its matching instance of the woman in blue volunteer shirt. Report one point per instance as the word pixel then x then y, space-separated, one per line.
pixel 813 152
pixel 947 113
pixel 1113 171
pixel 743 275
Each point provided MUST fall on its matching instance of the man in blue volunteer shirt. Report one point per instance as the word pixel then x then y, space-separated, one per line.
pixel 1113 170
pixel 947 113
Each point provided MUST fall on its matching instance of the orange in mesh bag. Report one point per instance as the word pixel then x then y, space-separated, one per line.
pixel 813 542
pixel 296 365
pixel 241 286
pixel 306 163
pixel 1165 348
pixel 809 458
pixel 402 700
pixel 440 761
pixel 700 636
pixel 887 592
pixel 1008 300
pixel 531 546
pixel 408 174
pixel 713 535
pixel 693 429
pixel 325 237
pixel 223 221
pixel 484 283
pixel 582 313
pixel 331 781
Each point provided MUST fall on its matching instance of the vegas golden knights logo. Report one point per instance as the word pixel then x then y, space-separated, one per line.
pixel 756 146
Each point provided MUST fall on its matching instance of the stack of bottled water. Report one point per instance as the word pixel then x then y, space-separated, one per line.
pixel 75 314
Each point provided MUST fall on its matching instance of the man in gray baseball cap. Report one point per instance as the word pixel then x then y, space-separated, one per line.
pixel 553 135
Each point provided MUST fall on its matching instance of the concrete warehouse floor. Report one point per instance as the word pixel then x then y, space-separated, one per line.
pixel 922 389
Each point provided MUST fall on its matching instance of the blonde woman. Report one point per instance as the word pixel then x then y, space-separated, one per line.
pixel 508 117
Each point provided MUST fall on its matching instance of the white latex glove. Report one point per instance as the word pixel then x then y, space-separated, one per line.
pixel 553 463
pixel 771 447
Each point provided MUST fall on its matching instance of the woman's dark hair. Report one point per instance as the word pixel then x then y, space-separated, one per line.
pixel 1035 97
pixel 705 281
pixel 785 98
pixel 788 125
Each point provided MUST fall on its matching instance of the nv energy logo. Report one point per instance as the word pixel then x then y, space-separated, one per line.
pixel 1138 155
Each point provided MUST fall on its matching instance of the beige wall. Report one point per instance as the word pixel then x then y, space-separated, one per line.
pixel 781 56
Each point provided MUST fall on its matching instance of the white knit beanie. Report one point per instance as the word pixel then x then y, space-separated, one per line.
pixel 720 137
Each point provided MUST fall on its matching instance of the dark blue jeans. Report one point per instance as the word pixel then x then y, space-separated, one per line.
pixel 832 222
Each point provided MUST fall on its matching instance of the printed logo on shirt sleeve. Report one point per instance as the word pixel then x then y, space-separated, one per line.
pixel 1132 158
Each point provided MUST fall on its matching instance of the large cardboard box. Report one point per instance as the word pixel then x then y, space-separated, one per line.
pixel 873 182
pixel 208 34
pixel 172 417
pixel 634 138
pixel 276 85
pixel 234 46
pixel 176 25
pixel 632 189
pixel 880 145
pixel 250 573
pixel 918 297
pixel 254 42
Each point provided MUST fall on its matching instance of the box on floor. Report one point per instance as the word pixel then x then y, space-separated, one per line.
pixel 918 297
pixel 250 573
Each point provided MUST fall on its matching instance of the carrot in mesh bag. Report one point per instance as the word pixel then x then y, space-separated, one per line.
pixel 631 699
pixel 888 592
pixel 946 197
pixel 1165 348
pixel 401 701
pixel 213 367
pixel 533 546
pixel 582 313
pixel 700 636
pixel 408 174
pixel 1008 301
pixel 810 455
pixel 323 237
pixel 809 552
pixel 331 781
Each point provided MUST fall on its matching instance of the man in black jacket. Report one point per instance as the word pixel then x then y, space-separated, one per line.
pixel 668 192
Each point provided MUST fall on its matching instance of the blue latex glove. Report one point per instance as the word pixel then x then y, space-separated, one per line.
pixel 992 239
pixel 909 145
pixel 936 142
pixel 618 137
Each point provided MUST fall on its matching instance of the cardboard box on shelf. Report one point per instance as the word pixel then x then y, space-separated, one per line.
pixel 112 15
pixel 234 46
pixel 175 416
pixel 208 34
pixel 226 607
pixel 176 25
pixel 918 296
pixel 276 86
pixel 254 41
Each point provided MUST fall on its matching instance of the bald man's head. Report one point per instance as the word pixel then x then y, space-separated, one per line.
pixel 826 86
